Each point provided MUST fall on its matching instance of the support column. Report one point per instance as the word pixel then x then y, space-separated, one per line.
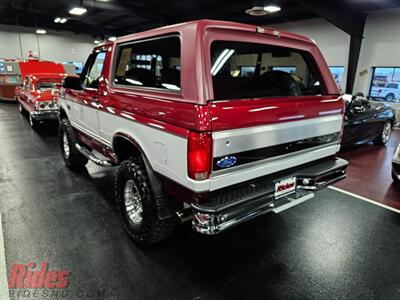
pixel 354 55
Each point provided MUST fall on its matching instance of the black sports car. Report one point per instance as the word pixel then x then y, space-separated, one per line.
pixel 396 165
pixel 367 121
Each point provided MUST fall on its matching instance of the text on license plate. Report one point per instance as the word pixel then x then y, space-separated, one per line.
pixel 285 187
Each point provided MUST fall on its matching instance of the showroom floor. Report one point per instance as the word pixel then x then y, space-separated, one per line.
pixel 333 246
pixel 369 174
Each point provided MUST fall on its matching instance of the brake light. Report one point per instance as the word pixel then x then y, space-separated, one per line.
pixel 199 155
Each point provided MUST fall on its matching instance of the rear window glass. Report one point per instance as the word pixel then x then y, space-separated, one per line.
pixel 248 70
pixel 155 64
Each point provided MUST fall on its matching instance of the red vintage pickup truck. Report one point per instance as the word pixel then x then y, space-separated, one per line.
pixel 210 121
pixel 38 97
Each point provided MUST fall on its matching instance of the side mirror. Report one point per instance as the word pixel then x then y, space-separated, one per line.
pixel 72 83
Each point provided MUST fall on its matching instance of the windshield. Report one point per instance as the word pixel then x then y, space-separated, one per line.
pixel 47 84
pixel 248 70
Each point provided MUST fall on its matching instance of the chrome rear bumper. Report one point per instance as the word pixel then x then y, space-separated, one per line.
pixel 240 203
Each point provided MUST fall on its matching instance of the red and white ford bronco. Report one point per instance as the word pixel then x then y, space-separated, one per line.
pixel 212 121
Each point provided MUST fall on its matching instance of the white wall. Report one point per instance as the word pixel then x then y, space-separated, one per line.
pixel 54 46
pixel 381 46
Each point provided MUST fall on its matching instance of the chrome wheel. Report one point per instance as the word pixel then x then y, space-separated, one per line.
pixel 387 130
pixel 65 145
pixel 133 202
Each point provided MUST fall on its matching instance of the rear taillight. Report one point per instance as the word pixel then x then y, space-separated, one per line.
pixel 199 155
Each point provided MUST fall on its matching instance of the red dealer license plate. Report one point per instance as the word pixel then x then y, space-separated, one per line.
pixel 285 187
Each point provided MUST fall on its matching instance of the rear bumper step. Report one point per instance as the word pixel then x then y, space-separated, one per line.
pixel 232 206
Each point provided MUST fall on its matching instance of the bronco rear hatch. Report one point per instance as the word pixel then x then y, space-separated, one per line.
pixel 274 108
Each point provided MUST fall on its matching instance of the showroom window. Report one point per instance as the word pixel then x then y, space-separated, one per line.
pixel 385 84
pixel 154 63
pixel 248 70
pixel 338 74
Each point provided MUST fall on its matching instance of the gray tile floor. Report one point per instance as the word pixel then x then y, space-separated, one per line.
pixel 333 246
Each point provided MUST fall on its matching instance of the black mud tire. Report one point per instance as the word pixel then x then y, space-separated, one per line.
pixel 384 136
pixel 149 229
pixel 73 159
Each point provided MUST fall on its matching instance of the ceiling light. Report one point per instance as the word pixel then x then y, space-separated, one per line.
pixel 60 20
pixel 78 11
pixel 96 42
pixel 221 60
pixel 258 11
pixel 112 39
pixel 41 31
pixel 272 8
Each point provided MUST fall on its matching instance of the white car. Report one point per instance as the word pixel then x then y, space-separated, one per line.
pixel 390 93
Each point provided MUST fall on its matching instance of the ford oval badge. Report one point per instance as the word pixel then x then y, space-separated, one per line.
pixel 226 162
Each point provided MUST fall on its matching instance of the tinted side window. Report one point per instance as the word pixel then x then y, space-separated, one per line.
pixel 154 63
pixel 247 70
pixel 392 86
